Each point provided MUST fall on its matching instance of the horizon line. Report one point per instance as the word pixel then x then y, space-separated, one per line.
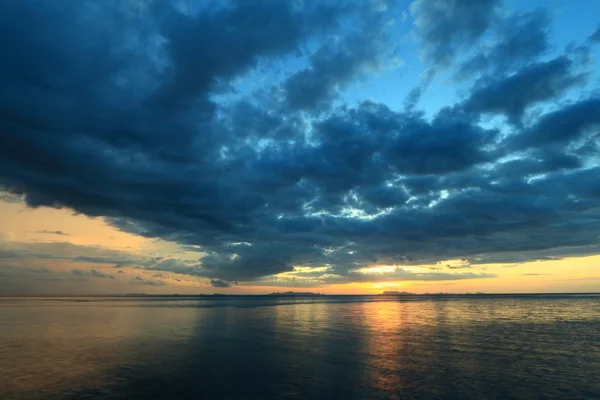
pixel 301 294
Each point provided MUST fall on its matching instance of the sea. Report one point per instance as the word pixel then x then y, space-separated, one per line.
pixel 326 347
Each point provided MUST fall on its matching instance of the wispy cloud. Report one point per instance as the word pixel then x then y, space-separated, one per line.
pixel 217 283
pixel 48 232
pixel 138 280
pixel 92 273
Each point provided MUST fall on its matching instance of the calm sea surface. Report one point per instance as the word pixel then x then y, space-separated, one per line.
pixel 543 347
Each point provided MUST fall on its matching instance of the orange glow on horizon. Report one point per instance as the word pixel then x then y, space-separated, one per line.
pixel 23 225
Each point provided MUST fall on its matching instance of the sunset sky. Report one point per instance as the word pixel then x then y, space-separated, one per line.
pixel 334 146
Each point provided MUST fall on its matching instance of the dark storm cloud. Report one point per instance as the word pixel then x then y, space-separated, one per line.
pixel 239 35
pixel 548 254
pixel 117 114
pixel 370 145
pixel 518 40
pixel 572 123
pixel 330 67
pixel 337 62
pixel 448 27
pixel 537 82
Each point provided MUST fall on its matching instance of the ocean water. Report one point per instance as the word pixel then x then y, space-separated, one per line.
pixel 481 347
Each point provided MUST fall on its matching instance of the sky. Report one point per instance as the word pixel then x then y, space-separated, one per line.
pixel 338 146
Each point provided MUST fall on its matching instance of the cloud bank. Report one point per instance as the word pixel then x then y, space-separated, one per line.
pixel 225 129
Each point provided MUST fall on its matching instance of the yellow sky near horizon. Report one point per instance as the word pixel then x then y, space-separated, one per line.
pixel 26 224
pixel 23 225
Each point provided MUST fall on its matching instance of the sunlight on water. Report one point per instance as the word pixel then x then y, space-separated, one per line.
pixel 263 348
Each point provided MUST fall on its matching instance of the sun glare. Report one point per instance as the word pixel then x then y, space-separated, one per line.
pixel 387 285
pixel 379 269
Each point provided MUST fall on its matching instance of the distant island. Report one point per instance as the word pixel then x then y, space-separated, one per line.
pixel 296 294
pixel 397 293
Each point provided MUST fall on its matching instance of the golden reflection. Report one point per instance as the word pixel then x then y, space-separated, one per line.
pixel 301 316
pixel 386 322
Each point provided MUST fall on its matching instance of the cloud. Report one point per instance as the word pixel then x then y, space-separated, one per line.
pixel 157 125
pixel 403 274
pixel 518 40
pixel 67 252
pixel 17 270
pixel 535 274
pixel 40 270
pixel 217 283
pixel 511 96
pixel 47 232
pixel 138 280
pixel 173 265
pixel 45 279
pixel 595 36
pixel 572 123
pixel 92 273
pixel 447 27
pixel 437 284
pixel 10 198
pixel 338 61
pixel 396 274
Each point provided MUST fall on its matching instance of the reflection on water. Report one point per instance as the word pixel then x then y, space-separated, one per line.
pixel 329 348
